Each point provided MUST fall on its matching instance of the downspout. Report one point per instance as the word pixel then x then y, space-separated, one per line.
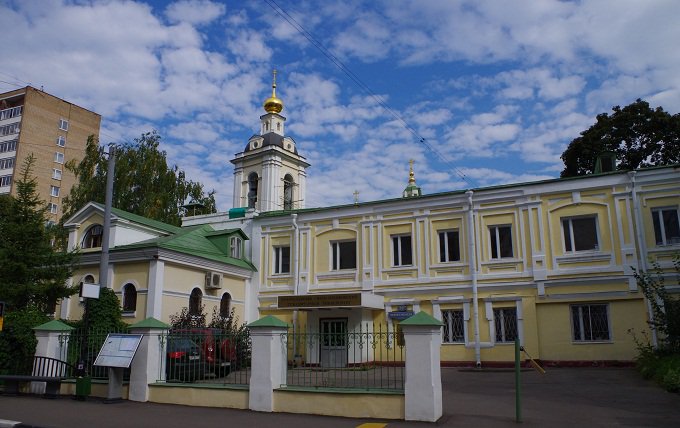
pixel 642 244
pixel 472 252
pixel 296 242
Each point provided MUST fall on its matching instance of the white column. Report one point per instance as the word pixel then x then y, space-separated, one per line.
pixel 423 386
pixel 237 200
pixel 269 362
pixel 154 297
pixel 146 365
pixel 49 345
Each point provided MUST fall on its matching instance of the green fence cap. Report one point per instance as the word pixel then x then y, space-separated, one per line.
pixel 421 318
pixel 269 321
pixel 54 325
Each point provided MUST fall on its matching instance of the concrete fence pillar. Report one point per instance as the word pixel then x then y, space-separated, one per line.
pixel 423 385
pixel 148 360
pixel 268 362
pixel 53 343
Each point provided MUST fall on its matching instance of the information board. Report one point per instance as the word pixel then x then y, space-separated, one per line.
pixel 118 350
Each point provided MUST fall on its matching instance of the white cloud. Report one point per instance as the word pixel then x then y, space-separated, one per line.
pixel 195 12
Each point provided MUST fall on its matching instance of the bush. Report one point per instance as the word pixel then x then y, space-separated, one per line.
pixel 671 380
pixel 18 341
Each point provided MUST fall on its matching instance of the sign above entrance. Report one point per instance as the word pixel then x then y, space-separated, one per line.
pixel 320 301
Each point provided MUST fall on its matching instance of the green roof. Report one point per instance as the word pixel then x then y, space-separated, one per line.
pixel 54 325
pixel 151 323
pixel 421 318
pixel 142 220
pixel 192 241
pixel 269 321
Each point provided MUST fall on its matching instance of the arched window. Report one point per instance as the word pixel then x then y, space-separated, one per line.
pixel 225 305
pixel 93 237
pixel 252 189
pixel 88 279
pixel 288 192
pixel 129 298
pixel 195 302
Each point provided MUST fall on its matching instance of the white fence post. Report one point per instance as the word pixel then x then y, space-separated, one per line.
pixel 50 345
pixel 423 386
pixel 268 363
pixel 148 360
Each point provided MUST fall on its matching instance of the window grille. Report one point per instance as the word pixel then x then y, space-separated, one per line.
pixel 454 326
pixel 590 322
pixel 506 324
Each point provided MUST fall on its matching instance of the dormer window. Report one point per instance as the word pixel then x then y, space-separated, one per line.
pixel 235 244
pixel 93 237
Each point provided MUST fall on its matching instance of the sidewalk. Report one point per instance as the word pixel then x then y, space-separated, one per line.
pixel 591 397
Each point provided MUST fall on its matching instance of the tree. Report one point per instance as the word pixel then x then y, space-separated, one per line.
pixel 144 184
pixel 32 272
pixel 638 135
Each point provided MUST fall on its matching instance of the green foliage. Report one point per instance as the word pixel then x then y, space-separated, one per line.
pixel 184 319
pixel 144 184
pixel 103 314
pixel 18 341
pixel 33 273
pixel 638 135
pixel 665 309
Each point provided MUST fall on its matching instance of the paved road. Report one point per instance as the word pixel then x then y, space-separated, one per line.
pixel 587 397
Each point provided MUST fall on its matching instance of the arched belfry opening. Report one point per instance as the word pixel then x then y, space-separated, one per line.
pixel 253 179
pixel 288 186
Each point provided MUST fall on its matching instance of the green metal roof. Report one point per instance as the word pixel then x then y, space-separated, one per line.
pixel 151 323
pixel 269 321
pixel 142 220
pixel 54 325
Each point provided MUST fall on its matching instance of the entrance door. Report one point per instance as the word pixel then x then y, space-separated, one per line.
pixel 333 352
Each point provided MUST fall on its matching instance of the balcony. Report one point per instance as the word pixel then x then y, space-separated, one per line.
pixel 10 113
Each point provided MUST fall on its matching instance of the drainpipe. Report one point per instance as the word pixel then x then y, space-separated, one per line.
pixel 296 243
pixel 642 245
pixel 472 252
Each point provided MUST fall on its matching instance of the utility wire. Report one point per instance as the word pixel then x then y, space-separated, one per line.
pixel 378 99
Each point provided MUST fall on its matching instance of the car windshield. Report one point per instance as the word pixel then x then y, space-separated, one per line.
pixel 176 343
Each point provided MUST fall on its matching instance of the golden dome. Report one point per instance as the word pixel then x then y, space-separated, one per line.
pixel 273 104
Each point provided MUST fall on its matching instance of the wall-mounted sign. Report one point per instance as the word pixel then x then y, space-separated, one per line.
pixel 400 315
pixel 320 301
pixel 118 350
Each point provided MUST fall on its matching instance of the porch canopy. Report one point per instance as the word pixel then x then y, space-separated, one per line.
pixel 364 300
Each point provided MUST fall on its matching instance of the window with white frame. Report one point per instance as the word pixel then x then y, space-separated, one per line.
pixel 505 321
pixel 8 146
pixel 501 241
pixel 58 157
pixel 343 255
pixel 54 191
pixel 454 326
pixel 402 252
pixel 282 259
pixel 666 226
pixel 61 141
pixel 63 124
pixel 5 180
pixel 449 246
pixel 580 234
pixel 6 163
pixel 56 174
pixel 129 298
pixel 53 208
pixel 235 244
pixel 93 237
pixel 590 322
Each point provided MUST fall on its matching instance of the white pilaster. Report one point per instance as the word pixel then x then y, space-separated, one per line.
pixel 154 298
pixel 146 365
pixel 269 363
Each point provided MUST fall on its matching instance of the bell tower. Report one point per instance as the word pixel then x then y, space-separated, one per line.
pixel 269 175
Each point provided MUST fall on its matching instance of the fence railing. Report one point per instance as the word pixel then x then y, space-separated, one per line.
pixel 371 357
pixel 205 356
pixel 83 346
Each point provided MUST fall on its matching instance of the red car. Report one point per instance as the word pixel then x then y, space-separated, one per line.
pixel 217 348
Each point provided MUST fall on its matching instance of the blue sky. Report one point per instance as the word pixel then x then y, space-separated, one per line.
pixel 497 88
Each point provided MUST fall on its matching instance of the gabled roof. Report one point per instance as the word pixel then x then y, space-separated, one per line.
pixel 91 207
pixel 193 241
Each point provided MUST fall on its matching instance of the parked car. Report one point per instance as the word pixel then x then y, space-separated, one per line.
pixel 217 347
pixel 185 361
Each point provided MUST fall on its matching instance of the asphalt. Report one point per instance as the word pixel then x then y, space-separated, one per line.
pixel 563 397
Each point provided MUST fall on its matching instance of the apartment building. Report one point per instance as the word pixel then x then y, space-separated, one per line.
pixel 55 131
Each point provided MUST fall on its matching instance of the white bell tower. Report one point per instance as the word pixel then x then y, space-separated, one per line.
pixel 269 175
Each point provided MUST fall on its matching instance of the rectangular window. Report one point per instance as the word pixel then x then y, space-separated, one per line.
pixel 54 191
pixel 666 226
pixel 449 249
pixel 344 255
pixel 590 322
pixel 56 174
pixel 54 208
pixel 63 124
pixel 501 241
pixel 61 141
pixel 235 247
pixel 402 253
pixel 505 320
pixel 580 234
pixel 12 128
pixel 454 326
pixel 5 181
pixel 8 146
pixel 6 163
pixel 281 259
pixel 58 157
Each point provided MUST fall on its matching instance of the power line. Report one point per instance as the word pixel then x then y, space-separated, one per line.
pixel 363 86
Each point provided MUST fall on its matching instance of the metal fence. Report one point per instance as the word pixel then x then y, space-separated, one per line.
pixel 82 347
pixel 205 356
pixel 369 358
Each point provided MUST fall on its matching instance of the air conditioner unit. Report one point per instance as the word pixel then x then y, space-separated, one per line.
pixel 213 280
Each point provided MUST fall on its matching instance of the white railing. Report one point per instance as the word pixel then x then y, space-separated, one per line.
pixel 11 112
